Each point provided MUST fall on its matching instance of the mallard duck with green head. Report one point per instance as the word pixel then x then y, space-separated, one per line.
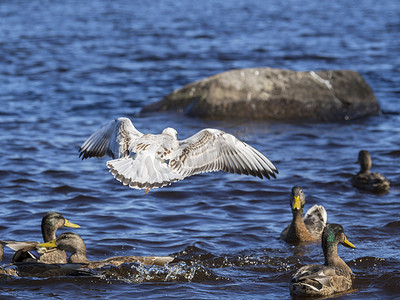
pixel 305 229
pixel 332 277
pixel 367 181
pixel 73 243
pixel 29 252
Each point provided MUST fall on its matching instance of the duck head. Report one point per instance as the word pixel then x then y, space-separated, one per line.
pixel 334 234
pixel 297 199
pixel 53 221
pixel 69 241
pixel 365 161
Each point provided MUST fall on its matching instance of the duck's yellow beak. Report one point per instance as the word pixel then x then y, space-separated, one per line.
pixel 347 243
pixel 296 204
pixel 51 244
pixel 69 224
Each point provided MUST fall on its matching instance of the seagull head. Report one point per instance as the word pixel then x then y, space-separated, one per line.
pixel 170 131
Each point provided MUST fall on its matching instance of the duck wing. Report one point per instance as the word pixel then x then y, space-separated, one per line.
pixel 315 220
pixel 23 246
pixel 145 260
pixel 321 280
pixel 154 260
pixel 29 252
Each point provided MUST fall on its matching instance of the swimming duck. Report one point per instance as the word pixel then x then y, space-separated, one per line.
pixel 333 276
pixel 71 242
pixel 40 270
pixel 305 229
pixel 28 252
pixel 370 182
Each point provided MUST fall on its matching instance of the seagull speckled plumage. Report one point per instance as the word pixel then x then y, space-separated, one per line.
pixel 305 229
pixel 332 277
pixel 146 161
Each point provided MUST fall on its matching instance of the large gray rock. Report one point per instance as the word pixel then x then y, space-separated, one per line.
pixel 274 94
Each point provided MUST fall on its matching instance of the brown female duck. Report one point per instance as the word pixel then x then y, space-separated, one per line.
pixel 71 242
pixel 333 276
pixel 367 181
pixel 26 251
pixel 304 229
pixel 40 270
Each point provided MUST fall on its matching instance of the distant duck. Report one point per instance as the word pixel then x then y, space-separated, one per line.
pixel 71 242
pixel 305 229
pixel 28 252
pixel 333 276
pixel 370 182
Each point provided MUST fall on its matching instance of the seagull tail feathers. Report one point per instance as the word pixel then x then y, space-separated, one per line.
pixel 142 172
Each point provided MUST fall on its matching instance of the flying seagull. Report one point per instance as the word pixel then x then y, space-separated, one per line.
pixel 146 161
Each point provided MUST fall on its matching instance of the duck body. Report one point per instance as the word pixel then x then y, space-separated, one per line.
pixel 371 182
pixel 74 244
pixel 367 181
pixel 305 229
pixel 320 280
pixel 119 260
pixel 332 277
pixel 41 270
pixel 28 252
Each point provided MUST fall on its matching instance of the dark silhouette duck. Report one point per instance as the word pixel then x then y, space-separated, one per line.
pixel 305 229
pixel 367 181
pixel 28 252
pixel 333 276
pixel 73 243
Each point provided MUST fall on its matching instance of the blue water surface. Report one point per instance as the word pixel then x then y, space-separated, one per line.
pixel 67 67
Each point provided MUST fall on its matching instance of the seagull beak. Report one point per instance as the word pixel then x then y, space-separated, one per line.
pixel 296 204
pixel 51 244
pixel 69 224
pixel 347 243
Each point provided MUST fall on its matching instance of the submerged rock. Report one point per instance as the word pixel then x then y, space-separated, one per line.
pixel 274 94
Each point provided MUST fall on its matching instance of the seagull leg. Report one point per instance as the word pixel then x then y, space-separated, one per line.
pixel 147 190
